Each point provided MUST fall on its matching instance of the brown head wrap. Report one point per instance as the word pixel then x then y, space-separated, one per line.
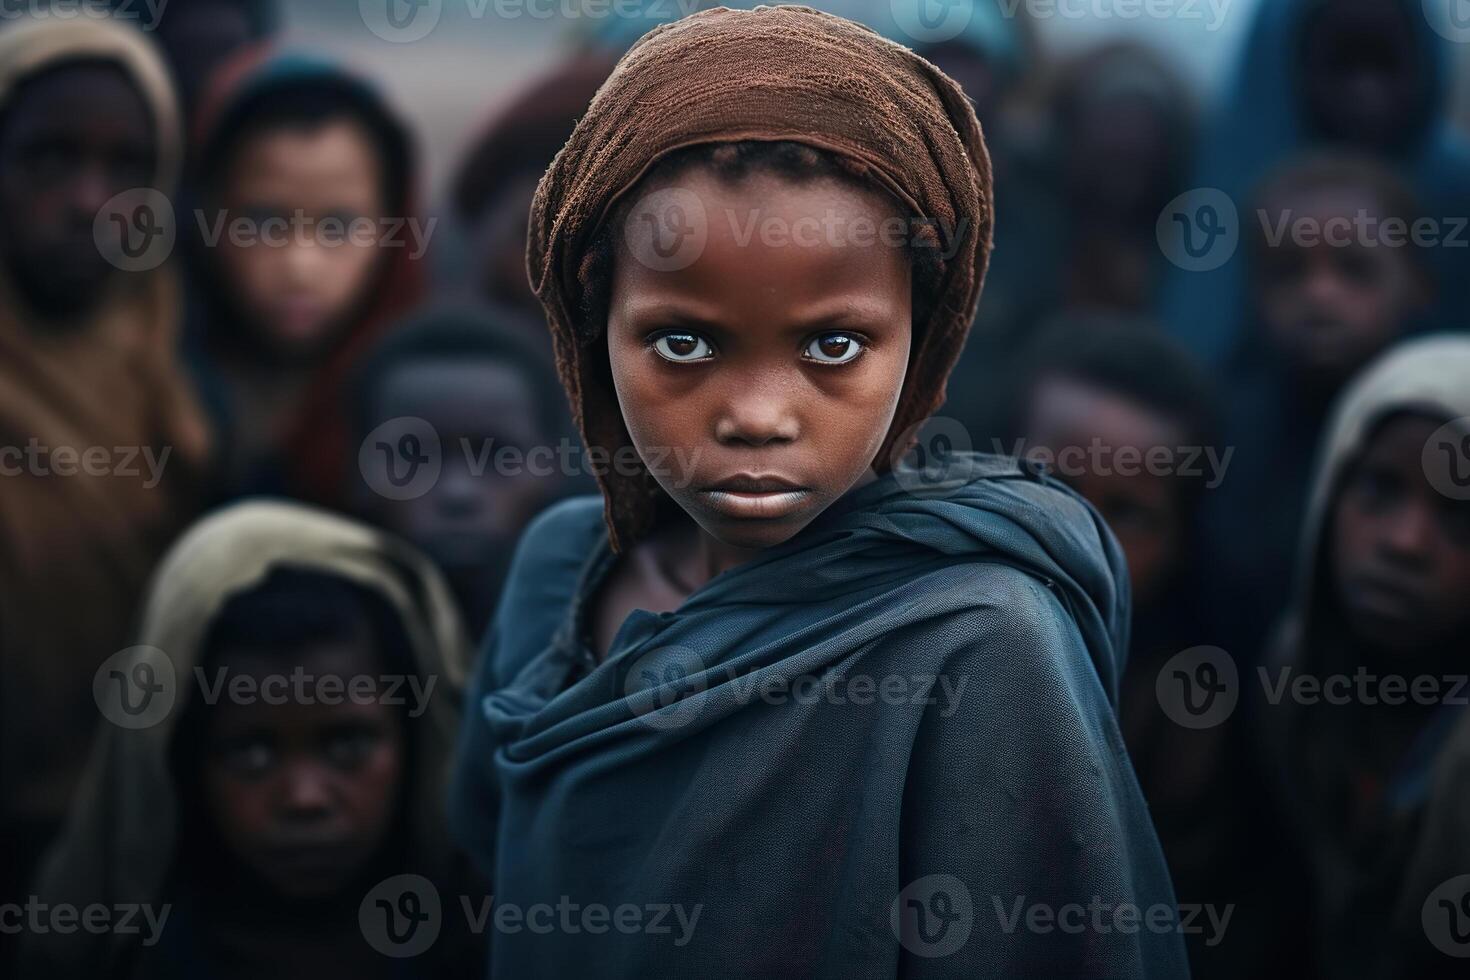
pixel 773 73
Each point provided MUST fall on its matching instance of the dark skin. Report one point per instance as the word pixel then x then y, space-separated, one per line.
pixel 468 522
pixel 304 794
pixel 763 359
pixel 1400 549
pixel 1329 307
pixel 1144 510
pixel 1361 74
pixel 1400 571
pixel 70 140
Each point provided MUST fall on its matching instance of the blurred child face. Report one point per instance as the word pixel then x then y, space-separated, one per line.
pixel 1143 509
pixel 771 368
pixel 485 413
pixel 1330 308
pixel 1361 78
pixel 303 794
pixel 1400 550
pixel 301 278
pixel 73 139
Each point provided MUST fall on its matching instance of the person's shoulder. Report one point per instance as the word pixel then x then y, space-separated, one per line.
pixel 557 542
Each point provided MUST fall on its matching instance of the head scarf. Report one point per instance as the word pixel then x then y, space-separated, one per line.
pixel 120 841
pixel 768 74
pixel 76 550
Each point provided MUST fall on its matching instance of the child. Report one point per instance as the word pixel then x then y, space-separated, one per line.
pixel 1370 77
pixel 494 403
pixel 1375 781
pixel 103 441
pixel 314 667
pixel 674 718
pixel 1333 286
pixel 306 246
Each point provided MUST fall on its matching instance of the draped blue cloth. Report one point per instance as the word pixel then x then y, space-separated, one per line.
pixel 719 760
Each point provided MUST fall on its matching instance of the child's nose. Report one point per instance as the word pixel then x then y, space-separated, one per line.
pixel 756 417
pixel 306 791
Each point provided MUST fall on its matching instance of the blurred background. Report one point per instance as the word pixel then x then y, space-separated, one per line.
pixel 1161 280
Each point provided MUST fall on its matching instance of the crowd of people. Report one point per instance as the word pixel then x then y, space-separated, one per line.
pixel 315 457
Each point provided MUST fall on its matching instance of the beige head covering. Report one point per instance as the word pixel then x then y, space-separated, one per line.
pixel 120 839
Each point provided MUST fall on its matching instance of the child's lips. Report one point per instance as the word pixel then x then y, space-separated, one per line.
pixel 752 497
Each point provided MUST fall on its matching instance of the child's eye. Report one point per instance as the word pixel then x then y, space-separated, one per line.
pixel 250 757
pixel 683 347
pixel 834 348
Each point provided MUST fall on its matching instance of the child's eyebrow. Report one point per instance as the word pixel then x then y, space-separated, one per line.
pixel 833 315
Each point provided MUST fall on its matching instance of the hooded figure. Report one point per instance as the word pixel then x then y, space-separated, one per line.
pixel 1379 840
pixel 722 780
pixel 248 361
pixel 78 539
pixel 1285 100
pixel 124 842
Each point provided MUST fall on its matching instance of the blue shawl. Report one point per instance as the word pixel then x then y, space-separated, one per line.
pixel 875 750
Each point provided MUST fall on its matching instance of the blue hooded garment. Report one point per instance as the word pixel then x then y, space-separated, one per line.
pixel 728 763
pixel 1259 127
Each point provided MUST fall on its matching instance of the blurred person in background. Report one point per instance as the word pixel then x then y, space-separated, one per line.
pixel 198 36
pixel 1351 76
pixel 1080 236
pixel 492 193
pixel 1377 780
pixel 103 442
pixel 1125 416
pixel 253 824
pixel 1326 300
pixel 306 245
pixel 494 402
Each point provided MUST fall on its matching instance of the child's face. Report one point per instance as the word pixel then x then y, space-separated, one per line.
pixel 304 270
pixel 1330 308
pixel 759 382
pixel 1361 78
pixel 1143 509
pixel 76 138
pixel 496 472
pixel 1400 550
pixel 303 794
